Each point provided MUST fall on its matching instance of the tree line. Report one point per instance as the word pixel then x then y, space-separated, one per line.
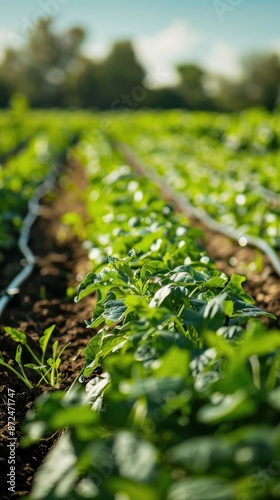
pixel 51 71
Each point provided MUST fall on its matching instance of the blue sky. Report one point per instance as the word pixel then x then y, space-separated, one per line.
pixel 164 32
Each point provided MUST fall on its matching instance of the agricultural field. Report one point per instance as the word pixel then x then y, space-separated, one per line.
pixel 140 341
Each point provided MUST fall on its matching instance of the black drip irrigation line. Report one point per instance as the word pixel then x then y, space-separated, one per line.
pixel 45 187
pixel 183 205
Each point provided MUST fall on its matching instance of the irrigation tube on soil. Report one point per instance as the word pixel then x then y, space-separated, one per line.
pixel 46 186
pixel 182 203
pixel 33 212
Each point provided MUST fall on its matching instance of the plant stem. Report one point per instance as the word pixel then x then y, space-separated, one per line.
pixel 25 380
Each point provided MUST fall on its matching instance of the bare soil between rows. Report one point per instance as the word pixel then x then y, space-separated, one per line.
pixel 262 282
pixel 42 301
pixel 61 262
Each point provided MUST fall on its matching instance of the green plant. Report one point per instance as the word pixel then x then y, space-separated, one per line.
pixel 47 369
pixel 182 392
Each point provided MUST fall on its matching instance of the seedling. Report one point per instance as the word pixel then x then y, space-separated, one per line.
pixel 48 370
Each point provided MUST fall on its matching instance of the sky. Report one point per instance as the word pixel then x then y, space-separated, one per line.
pixel 213 33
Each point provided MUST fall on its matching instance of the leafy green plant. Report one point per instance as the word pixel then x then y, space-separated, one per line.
pixel 47 369
pixel 196 155
pixel 182 301
pixel 174 420
pixel 182 391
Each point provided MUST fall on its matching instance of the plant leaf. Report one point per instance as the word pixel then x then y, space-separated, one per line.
pixel 44 339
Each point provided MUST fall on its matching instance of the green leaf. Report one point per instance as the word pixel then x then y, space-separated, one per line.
pixel 16 335
pixel 182 277
pixel 200 454
pixel 44 339
pixel 135 458
pixel 93 347
pixel 174 363
pixel 99 347
pixel 217 282
pixel 160 296
pixel 152 268
pixel 258 342
pixel 57 477
pixel 18 355
pixel 54 363
pixel 93 282
pixel 230 332
pixel 137 304
pixel 243 311
pixel 54 412
pixel 187 274
pixel 151 387
pixel 193 318
pixel 235 288
pixel 54 349
pixel 206 488
pixel 223 347
pixel 114 310
pixel 273 399
pixel 231 407
pixel 213 314
pixel 131 489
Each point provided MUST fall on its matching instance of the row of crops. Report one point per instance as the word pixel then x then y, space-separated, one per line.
pixel 226 167
pixel 180 394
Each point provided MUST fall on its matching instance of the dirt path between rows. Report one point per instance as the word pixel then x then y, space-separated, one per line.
pixel 262 282
pixel 42 301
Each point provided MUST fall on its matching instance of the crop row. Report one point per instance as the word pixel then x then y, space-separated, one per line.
pixel 181 398
pixel 23 172
pixel 227 167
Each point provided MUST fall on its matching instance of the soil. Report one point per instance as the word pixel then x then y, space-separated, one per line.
pixel 262 282
pixel 47 299
pixel 61 262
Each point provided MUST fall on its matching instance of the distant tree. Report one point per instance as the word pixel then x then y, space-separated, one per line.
pixel 192 86
pixel 51 71
pixel 164 98
pixel 230 96
pixel 5 93
pixel 262 79
pixel 82 86
pixel 39 68
pixel 121 77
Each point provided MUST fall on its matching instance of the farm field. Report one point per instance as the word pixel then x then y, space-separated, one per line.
pixel 141 354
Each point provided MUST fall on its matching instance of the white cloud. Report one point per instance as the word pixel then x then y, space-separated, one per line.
pixel 97 50
pixel 223 60
pixel 275 45
pixel 159 52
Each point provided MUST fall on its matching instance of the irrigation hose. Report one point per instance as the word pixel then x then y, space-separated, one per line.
pixel 46 186
pixel 28 221
pixel 183 205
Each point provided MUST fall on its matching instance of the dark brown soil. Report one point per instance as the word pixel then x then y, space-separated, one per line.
pixel 44 301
